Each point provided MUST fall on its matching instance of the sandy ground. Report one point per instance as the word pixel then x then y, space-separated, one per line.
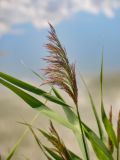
pixel 13 109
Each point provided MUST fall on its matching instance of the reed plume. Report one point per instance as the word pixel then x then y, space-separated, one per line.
pixel 59 147
pixel 59 71
pixel 58 144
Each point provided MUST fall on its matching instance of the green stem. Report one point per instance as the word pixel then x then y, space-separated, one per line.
pixel 82 132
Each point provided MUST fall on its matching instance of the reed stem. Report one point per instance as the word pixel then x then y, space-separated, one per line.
pixel 82 132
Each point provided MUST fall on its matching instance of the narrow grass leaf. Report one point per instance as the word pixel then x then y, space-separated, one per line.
pixel 52 154
pixel 42 79
pixel 53 88
pixel 57 94
pixel 16 145
pixel 79 139
pixel 38 142
pixel 34 103
pixel 99 147
pixel 71 116
pixel 69 113
pixel 73 156
pixel 108 126
pixel 26 86
pixel 32 89
pixel 94 110
pixel 41 146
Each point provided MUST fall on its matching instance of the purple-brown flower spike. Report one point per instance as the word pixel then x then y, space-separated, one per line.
pixel 59 71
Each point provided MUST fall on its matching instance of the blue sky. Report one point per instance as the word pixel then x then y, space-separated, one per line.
pixel 83 30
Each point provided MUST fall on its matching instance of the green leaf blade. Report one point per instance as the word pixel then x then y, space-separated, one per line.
pixel 28 87
pixel 98 146
pixel 34 103
pixel 94 110
pixel 108 126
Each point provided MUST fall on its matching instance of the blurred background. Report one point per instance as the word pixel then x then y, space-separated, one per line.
pixel 85 28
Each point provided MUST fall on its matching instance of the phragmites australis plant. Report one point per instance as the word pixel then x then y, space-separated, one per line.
pixel 61 73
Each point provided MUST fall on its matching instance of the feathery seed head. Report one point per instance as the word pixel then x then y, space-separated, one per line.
pixel 59 71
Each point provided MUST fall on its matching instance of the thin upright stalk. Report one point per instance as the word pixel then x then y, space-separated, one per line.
pixel 14 148
pixel 82 132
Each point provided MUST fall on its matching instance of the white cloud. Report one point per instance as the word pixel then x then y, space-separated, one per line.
pixel 39 12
